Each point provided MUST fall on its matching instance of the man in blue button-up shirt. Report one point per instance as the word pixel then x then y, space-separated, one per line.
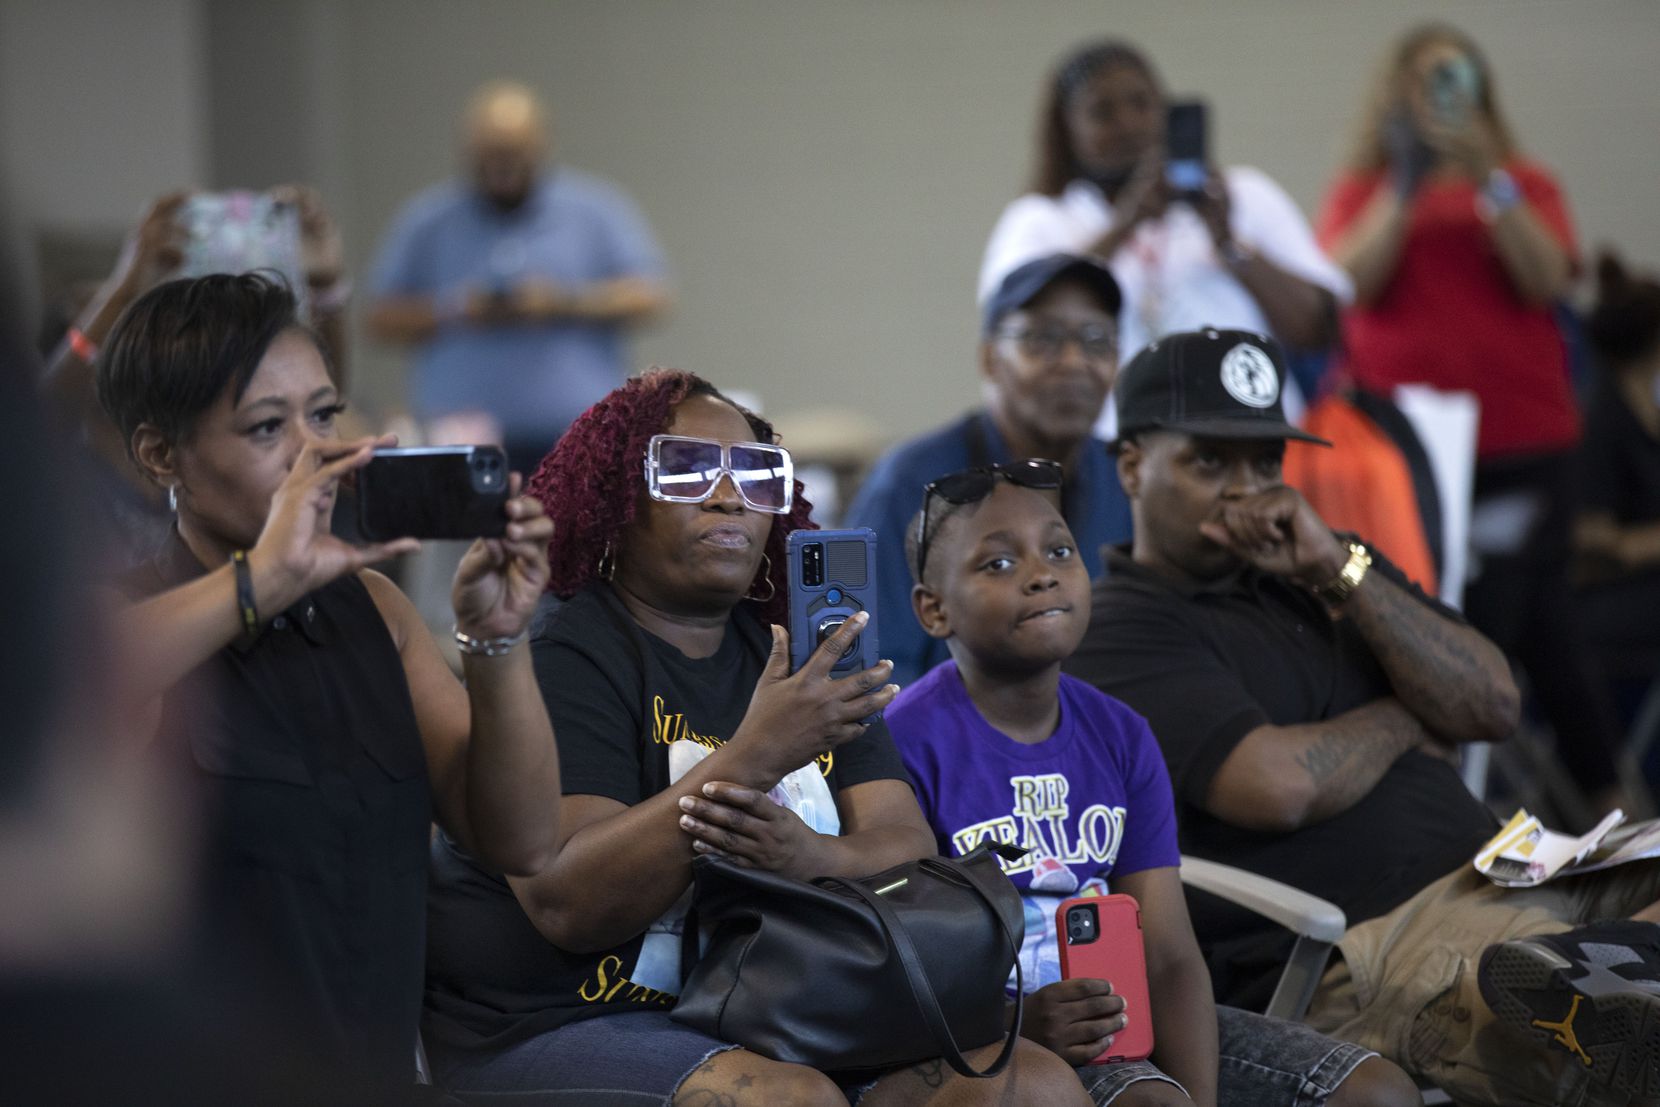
pixel 515 288
pixel 1048 353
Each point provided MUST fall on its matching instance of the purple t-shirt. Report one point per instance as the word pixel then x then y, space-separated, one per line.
pixel 1090 800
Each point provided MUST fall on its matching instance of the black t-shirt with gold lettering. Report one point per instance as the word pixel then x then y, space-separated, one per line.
pixel 617 696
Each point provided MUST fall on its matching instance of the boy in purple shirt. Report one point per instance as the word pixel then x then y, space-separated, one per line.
pixel 1001 744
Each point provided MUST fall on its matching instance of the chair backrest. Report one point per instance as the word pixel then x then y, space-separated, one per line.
pixel 1446 424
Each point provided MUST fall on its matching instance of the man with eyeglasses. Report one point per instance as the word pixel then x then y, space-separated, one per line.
pixel 1048 356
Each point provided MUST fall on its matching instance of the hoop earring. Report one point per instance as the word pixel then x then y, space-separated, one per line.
pixel 173 498
pixel 766 575
pixel 607 567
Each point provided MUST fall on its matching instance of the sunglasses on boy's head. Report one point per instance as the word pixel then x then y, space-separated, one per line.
pixel 973 485
pixel 683 470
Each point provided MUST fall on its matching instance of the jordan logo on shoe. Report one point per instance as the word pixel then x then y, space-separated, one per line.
pixel 1563 1031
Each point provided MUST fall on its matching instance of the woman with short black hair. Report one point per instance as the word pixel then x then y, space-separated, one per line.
pixel 301 689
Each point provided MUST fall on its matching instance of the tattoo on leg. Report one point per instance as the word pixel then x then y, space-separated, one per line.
pixel 931 1073
pixel 743 1081
pixel 704 1097
pixel 688 1096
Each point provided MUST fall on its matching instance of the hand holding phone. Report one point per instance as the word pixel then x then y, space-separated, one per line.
pixel 1100 939
pixel 1078 1019
pixel 500 581
pixel 795 717
pixel 433 492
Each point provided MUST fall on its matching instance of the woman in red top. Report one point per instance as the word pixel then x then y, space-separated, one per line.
pixel 1459 247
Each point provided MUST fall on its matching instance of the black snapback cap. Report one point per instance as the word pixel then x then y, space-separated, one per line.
pixel 1022 284
pixel 1212 383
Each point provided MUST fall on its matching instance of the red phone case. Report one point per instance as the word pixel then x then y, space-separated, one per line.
pixel 1118 956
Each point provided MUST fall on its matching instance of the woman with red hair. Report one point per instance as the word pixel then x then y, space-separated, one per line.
pixel 682 732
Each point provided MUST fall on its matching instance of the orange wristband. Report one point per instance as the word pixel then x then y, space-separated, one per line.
pixel 82 346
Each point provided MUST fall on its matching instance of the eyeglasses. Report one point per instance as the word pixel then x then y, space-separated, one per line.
pixel 1046 343
pixel 973 485
pixel 682 470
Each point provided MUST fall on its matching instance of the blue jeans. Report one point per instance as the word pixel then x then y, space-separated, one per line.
pixel 1263 1062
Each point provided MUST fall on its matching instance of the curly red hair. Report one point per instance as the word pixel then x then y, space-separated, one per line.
pixel 590 483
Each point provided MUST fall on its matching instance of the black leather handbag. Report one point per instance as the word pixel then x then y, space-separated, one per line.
pixel 873 973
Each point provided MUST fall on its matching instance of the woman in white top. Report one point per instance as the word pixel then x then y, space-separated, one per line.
pixel 1238 254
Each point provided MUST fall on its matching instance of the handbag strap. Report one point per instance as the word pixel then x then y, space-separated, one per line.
pixel 923 992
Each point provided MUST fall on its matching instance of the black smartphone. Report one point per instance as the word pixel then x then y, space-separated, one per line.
pixel 433 492
pixel 832 578
pixel 1186 166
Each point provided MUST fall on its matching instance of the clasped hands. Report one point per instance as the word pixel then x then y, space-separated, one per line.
pixel 744 825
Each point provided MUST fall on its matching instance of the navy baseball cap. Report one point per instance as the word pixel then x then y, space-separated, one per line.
pixel 1022 285
pixel 1212 383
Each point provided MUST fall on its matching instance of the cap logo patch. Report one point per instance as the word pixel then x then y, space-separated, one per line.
pixel 1248 375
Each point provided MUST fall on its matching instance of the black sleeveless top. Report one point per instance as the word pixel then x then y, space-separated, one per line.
pixel 304 743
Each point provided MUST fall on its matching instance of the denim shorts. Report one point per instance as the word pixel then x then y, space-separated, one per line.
pixel 627 1060
pixel 1263 1062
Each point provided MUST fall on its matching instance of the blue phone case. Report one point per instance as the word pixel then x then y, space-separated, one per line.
pixel 832 576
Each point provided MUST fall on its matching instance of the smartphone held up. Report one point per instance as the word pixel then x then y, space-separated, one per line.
pixel 1187 161
pixel 453 492
pixel 237 232
pixel 832 578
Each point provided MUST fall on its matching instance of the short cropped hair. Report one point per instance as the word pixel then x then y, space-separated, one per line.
pixel 938 513
pixel 178 347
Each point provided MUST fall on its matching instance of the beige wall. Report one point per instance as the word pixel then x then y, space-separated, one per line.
pixel 101 107
pixel 823 175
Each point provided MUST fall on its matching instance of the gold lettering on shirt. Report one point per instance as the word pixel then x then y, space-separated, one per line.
pixel 608 984
pixel 671 726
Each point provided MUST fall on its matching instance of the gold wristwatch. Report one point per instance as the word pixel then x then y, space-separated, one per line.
pixel 1348 578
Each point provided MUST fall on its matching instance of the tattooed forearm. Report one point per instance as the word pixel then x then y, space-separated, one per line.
pixel 1344 757
pixel 1448 675
pixel 1322 760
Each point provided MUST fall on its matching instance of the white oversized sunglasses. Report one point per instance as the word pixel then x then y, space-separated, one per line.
pixel 683 470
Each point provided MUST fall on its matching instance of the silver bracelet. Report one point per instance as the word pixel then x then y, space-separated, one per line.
pixel 487 647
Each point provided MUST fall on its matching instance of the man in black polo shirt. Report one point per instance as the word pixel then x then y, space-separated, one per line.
pixel 1309 701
